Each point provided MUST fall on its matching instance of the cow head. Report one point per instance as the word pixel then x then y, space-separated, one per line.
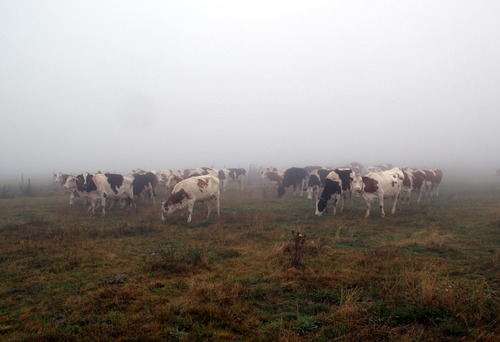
pixel 357 184
pixel 176 201
pixel 320 206
pixel 70 183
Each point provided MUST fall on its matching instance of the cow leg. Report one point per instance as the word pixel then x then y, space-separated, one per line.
pixel 419 195
pixel 335 202
pixel 309 192
pixel 381 203
pixel 217 204
pixel 302 187
pixel 190 207
pixel 368 206
pixel 437 189
pixel 395 200
pixel 343 198
pixel 209 208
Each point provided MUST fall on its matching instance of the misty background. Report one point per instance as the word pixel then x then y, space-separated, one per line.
pixel 118 85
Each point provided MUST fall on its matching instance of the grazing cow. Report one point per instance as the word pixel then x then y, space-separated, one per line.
pixel 273 174
pixel 189 191
pixel 316 181
pixel 109 186
pixel 293 176
pixel 333 187
pixel 432 181
pixel 233 175
pixel 380 185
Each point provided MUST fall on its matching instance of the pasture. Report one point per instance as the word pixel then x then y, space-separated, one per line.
pixel 429 273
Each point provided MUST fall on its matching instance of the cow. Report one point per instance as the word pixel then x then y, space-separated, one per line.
pixel 172 180
pixel 293 176
pixel 233 175
pixel 201 171
pixel 406 186
pixel 273 174
pixel 75 186
pixel 414 180
pixel 191 190
pixel 379 185
pixel 316 181
pixel 379 167
pixel 333 187
pixel 347 177
pixel 109 186
pixel 144 182
pixel 60 178
pixel 432 181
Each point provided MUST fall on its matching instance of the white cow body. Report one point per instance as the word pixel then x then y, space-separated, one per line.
pixel 191 190
pixel 380 185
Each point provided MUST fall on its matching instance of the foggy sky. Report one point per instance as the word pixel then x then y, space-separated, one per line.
pixel 116 85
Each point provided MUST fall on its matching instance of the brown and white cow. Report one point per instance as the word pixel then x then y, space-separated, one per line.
pixel 191 190
pixel 273 174
pixel 380 185
pixel 432 181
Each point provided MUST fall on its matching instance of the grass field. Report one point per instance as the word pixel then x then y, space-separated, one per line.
pixel 429 273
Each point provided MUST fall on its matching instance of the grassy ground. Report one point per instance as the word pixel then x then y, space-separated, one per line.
pixel 429 273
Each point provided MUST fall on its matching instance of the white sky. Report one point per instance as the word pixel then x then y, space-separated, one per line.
pixel 115 85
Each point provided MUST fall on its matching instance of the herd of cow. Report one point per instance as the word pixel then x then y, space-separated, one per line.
pixel 205 185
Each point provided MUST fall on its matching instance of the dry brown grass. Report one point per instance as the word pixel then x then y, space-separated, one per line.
pixel 428 273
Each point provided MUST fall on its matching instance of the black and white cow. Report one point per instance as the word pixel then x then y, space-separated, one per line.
pixel 316 181
pixel 293 176
pixel 232 175
pixel 333 188
pixel 144 183
pixel 109 186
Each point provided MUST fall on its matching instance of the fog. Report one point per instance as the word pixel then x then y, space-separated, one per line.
pixel 117 85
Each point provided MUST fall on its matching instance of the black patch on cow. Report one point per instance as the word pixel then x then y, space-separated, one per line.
pixel 80 183
pixel 331 187
pixel 322 175
pixel 205 171
pixel 293 176
pixel 313 181
pixel 115 181
pixel 235 173
pixel 89 184
pixel 142 181
pixel 345 177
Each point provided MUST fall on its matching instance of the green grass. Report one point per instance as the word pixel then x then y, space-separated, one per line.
pixel 430 272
